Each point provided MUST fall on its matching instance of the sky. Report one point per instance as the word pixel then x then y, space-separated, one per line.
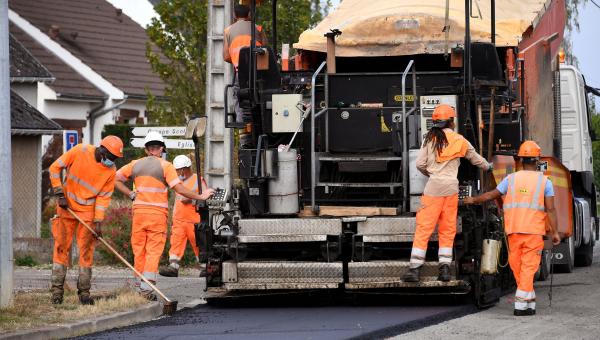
pixel 585 45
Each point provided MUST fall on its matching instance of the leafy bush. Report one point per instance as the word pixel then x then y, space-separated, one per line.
pixel 116 230
pixel 26 261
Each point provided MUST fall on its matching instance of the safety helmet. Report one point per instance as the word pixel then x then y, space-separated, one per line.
pixel 181 162
pixel 441 114
pixel 113 144
pixel 154 137
pixel 530 149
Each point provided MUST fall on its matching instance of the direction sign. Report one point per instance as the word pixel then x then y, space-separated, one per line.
pixel 169 143
pixel 70 139
pixel 166 131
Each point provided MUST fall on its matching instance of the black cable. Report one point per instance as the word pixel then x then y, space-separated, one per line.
pixel 592 1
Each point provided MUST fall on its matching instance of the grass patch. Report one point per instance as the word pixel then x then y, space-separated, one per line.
pixel 34 309
pixel 26 261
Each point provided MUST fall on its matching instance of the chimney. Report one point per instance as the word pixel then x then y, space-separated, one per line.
pixel 54 31
pixel 331 69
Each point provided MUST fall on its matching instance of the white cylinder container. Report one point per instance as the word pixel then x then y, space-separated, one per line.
pixel 283 190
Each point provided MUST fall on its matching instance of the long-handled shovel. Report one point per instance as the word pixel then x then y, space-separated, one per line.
pixel 170 306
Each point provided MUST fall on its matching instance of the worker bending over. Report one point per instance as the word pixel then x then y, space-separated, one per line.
pixel 235 37
pixel 87 189
pixel 528 200
pixel 439 159
pixel 184 218
pixel 152 177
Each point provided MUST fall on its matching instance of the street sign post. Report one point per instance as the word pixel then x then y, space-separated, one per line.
pixel 70 139
pixel 165 131
pixel 169 143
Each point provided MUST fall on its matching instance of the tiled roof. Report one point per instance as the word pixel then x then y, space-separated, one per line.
pixel 101 36
pixel 68 82
pixel 23 65
pixel 25 117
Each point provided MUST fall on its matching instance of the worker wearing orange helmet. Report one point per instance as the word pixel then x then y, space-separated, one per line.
pixel 528 200
pixel 439 159
pixel 184 218
pixel 87 189
pixel 152 177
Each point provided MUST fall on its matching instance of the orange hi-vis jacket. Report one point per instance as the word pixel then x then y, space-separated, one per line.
pixel 524 209
pixel 183 211
pixel 237 36
pixel 152 177
pixel 88 184
pixel 456 148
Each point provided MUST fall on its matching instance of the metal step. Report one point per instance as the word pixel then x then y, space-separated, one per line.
pixel 392 226
pixel 282 274
pixel 359 185
pixel 323 156
pixel 290 226
pixel 390 271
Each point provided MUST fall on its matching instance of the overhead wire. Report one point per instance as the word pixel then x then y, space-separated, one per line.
pixel 595 4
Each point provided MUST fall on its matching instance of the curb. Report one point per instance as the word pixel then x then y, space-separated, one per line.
pixel 121 319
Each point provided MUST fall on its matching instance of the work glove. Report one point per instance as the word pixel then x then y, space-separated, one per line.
pixel 206 194
pixel 98 229
pixel 490 167
pixel 62 201
pixel 132 195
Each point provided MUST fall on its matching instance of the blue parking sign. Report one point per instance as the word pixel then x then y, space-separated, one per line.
pixel 70 139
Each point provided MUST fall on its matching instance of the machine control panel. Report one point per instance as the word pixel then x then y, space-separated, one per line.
pixel 219 199
pixel 428 104
pixel 286 115
pixel 464 191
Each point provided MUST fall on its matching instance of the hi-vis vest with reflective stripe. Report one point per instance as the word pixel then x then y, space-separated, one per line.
pixel 239 36
pixel 524 210
pixel 88 184
pixel 148 175
pixel 187 211
pixel 456 148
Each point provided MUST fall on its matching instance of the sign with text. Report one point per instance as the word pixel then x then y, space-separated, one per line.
pixel 169 143
pixel 166 131
pixel 70 139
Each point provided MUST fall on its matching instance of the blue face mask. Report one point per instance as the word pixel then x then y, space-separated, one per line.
pixel 107 162
pixel 181 177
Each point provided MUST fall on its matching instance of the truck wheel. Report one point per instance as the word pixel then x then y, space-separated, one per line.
pixel 544 270
pixel 568 267
pixel 585 253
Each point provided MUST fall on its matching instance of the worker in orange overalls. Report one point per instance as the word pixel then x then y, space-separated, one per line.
pixel 184 218
pixel 528 200
pixel 152 177
pixel 235 37
pixel 439 159
pixel 87 188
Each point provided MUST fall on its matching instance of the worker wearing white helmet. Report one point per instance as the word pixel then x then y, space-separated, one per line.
pixel 184 218
pixel 152 176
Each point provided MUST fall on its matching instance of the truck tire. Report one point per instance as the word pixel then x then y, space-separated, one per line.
pixel 584 255
pixel 568 267
pixel 544 270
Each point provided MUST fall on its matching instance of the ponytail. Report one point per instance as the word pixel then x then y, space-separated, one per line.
pixel 437 136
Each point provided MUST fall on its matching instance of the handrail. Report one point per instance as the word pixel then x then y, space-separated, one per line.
pixel 404 133
pixel 313 163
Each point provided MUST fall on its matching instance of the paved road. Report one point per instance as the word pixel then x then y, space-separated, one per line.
pixel 291 318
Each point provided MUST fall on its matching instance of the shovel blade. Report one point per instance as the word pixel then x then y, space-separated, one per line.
pixel 196 128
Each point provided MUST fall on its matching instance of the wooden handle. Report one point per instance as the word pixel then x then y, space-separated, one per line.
pixel 119 256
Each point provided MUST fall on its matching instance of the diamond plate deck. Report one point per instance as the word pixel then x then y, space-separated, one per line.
pixel 389 271
pixel 392 226
pixel 259 272
pixel 282 286
pixel 290 226
pixel 281 238
pixel 406 237
pixel 464 286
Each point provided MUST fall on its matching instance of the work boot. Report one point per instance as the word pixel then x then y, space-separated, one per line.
pixel 172 270
pixel 84 283
pixel 146 292
pixel 412 275
pixel 59 272
pixel 524 312
pixel 444 273
pixel 203 272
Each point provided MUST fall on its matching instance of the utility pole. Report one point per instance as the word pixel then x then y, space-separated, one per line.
pixel 6 238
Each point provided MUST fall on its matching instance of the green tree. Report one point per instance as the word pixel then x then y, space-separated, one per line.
pixel 177 53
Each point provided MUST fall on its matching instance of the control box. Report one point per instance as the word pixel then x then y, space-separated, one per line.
pixel 218 199
pixel 428 104
pixel 286 113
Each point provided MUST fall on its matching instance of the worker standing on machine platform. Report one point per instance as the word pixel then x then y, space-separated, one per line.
pixel 184 218
pixel 439 159
pixel 528 200
pixel 235 37
pixel 152 177
pixel 87 190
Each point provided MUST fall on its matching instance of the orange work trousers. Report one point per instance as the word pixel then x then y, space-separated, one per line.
pixel 524 256
pixel 181 232
pixel 63 228
pixel 148 238
pixel 440 211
